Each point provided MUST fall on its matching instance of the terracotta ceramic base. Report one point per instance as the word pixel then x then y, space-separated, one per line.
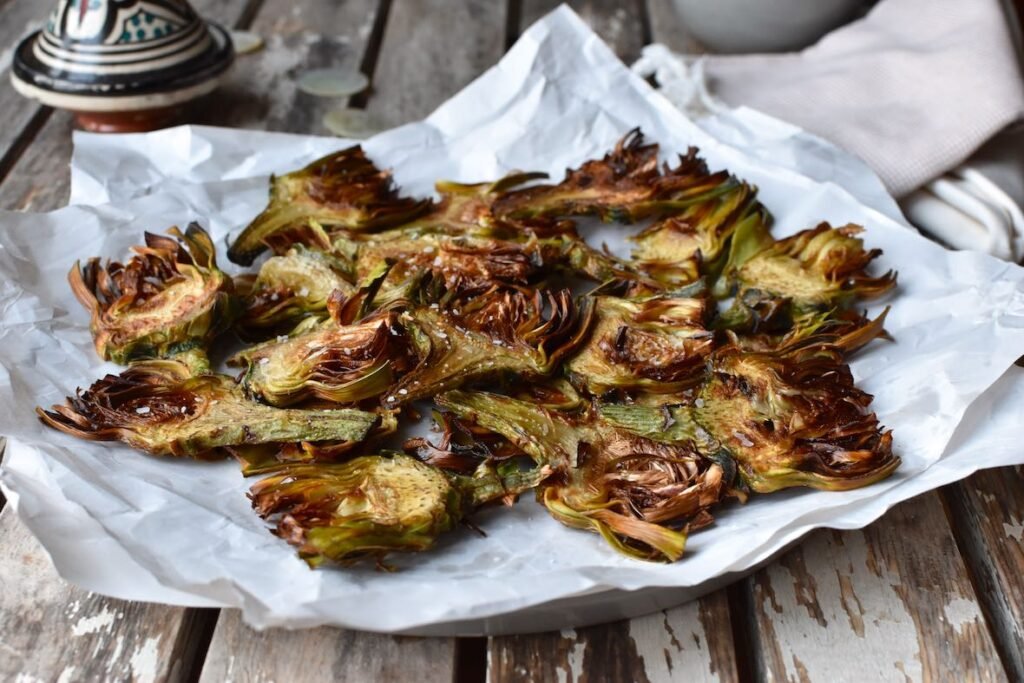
pixel 128 121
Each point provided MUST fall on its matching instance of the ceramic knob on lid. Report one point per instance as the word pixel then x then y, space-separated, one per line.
pixel 122 64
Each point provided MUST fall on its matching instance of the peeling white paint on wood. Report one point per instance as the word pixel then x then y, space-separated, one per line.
pixel 145 661
pixel 893 600
pixel 674 645
pixel 93 624
pixel 960 612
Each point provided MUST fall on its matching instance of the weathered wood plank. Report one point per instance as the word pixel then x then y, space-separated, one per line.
pixel 241 654
pixel 431 49
pixel 620 24
pixel 892 601
pixel 261 92
pixel 52 631
pixel 692 643
pixel 21 116
pixel 987 512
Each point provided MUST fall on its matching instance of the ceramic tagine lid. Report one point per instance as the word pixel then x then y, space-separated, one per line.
pixel 120 64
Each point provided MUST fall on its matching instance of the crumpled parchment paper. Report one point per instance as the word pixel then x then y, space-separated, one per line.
pixel 142 528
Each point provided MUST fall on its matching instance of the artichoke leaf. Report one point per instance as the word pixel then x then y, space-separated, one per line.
pixel 162 408
pixel 341 190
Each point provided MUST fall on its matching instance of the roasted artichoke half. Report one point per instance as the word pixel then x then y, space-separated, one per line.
pixel 777 282
pixel 168 298
pixel 162 408
pixel 655 344
pixel 338 363
pixel 375 504
pixel 289 289
pixel 626 185
pixel 480 335
pixel 793 417
pixel 341 190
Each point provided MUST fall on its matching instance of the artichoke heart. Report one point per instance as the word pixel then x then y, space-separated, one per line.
pixel 341 190
pixel 168 298
pixel 290 288
pixel 162 408
pixel 486 334
pixel 657 344
pixel 818 269
pixel 641 495
pixel 372 505
pixel 793 417
pixel 338 363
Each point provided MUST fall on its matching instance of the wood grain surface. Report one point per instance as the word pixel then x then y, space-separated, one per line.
pixel 431 49
pixel 891 601
pixel 237 653
pixel 987 512
pixel 22 117
pixel 621 24
pixel 692 642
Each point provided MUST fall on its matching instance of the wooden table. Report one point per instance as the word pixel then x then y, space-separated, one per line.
pixel 933 591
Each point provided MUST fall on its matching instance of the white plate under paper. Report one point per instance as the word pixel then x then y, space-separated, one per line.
pixel 143 528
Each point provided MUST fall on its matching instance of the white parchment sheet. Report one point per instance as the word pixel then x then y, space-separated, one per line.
pixel 144 528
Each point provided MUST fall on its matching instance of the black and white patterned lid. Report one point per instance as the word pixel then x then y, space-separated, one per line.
pixel 95 55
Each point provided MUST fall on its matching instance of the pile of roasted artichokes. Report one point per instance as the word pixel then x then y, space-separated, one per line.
pixel 708 366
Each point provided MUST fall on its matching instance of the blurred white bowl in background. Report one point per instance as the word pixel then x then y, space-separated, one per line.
pixel 764 25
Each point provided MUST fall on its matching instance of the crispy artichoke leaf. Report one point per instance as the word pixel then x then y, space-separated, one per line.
pixel 819 268
pixel 846 331
pixel 162 408
pixel 292 287
pixel 656 344
pixel 793 417
pixel 641 495
pixel 371 505
pixel 626 185
pixel 485 334
pixel 169 297
pixel 342 190
pixel 338 363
